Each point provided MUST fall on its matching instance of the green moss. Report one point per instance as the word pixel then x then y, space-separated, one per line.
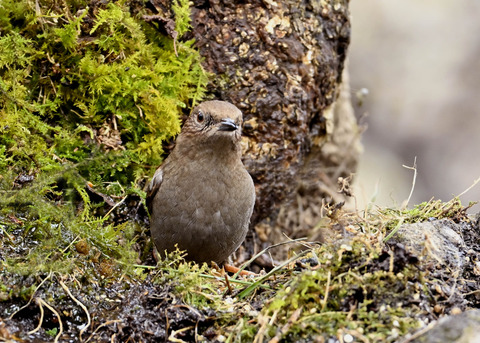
pixel 361 287
pixel 52 332
pixel 348 292
pixel 89 92
pixel 182 16
pixel 94 69
pixel 433 209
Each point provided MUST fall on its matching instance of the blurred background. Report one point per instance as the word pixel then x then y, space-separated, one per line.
pixel 420 61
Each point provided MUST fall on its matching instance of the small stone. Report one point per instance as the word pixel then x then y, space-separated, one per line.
pixel 438 309
pixel 455 311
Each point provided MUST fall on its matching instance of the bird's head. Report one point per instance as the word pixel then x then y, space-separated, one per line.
pixel 214 122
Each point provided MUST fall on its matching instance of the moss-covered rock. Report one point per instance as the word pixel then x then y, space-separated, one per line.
pixel 89 93
pixel 85 78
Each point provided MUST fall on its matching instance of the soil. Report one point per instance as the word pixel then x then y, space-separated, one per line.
pixel 124 309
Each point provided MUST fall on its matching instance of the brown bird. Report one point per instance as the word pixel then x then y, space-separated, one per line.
pixel 202 197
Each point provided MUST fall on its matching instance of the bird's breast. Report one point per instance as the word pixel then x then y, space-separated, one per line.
pixel 204 209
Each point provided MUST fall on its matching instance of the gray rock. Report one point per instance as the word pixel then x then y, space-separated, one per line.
pixel 438 240
pixel 460 328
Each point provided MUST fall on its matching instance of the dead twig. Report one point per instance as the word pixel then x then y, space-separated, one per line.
pixel 263 320
pixel 229 287
pixel 40 321
pixel 258 283
pixel 414 168
pixel 172 337
pixel 469 188
pixel 419 333
pixel 293 318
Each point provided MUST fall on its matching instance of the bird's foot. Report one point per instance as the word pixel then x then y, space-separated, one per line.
pixel 232 269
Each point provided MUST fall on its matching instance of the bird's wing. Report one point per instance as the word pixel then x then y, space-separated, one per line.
pixel 153 188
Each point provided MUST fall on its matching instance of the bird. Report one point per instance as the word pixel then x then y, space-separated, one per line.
pixel 201 198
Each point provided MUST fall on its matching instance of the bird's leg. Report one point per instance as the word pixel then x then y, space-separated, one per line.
pixel 232 269
pixel 229 269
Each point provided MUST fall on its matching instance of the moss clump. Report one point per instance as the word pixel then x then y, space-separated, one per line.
pixel 89 93
pixel 351 290
pixel 433 209
pixel 77 77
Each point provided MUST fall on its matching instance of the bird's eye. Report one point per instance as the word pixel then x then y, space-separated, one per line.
pixel 200 117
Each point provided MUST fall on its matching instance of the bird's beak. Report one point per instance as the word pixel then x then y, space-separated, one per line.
pixel 227 124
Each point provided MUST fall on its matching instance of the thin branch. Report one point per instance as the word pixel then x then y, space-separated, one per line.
pixel 40 321
pixel 258 283
pixel 101 326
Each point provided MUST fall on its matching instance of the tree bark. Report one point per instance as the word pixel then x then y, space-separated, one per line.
pixel 281 63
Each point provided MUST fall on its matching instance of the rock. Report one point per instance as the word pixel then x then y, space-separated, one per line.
pixel 437 240
pixel 461 328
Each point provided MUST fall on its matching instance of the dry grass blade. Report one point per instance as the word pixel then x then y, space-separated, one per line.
pixel 259 282
pixel 414 168
pixel 172 337
pixel 469 188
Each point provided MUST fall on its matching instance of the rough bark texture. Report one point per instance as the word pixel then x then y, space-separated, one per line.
pixel 281 63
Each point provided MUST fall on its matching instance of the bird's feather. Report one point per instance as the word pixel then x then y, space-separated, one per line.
pixel 153 188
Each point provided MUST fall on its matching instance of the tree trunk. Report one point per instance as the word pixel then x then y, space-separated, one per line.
pixel 281 63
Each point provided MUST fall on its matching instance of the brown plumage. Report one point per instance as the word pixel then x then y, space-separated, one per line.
pixel 202 197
